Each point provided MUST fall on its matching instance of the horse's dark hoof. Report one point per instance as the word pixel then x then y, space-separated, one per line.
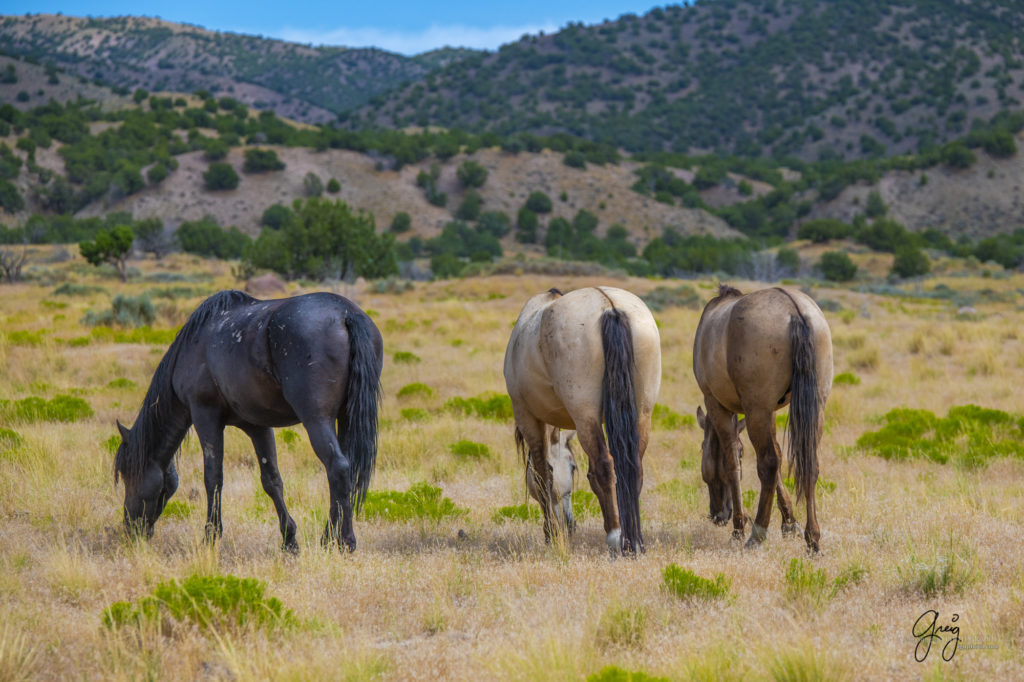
pixel 720 520
pixel 291 548
pixel 789 529
pixel 737 534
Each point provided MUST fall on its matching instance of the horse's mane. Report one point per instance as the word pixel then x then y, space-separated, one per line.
pixel 162 413
pixel 725 291
pixel 554 291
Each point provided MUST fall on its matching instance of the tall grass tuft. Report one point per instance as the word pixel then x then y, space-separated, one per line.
pixel 421 501
pixel 622 626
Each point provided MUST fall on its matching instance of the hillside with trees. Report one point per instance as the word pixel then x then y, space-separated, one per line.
pixel 299 81
pixel 804 78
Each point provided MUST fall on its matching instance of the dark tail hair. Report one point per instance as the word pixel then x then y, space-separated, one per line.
pixel 358 428
pixel 804 408
pixel 619 411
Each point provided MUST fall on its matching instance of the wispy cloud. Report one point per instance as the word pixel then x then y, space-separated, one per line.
pixel 415 42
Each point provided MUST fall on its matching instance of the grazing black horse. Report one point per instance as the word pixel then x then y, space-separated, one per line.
pixel 255 364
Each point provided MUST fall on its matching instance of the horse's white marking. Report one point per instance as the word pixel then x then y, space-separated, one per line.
pixel 614 541
pixel 264 460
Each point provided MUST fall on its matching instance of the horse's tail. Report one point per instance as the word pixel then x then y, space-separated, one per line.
pixel 358 430
pixel 804 407
pixel 619 411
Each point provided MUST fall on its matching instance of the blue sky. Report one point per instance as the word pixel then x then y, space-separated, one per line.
pixel 407 27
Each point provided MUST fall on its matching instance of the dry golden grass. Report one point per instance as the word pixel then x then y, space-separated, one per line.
pixel 472 599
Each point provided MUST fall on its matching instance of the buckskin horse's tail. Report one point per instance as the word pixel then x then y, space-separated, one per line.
pixel 804 407
pixel 619 411
pixel 357 429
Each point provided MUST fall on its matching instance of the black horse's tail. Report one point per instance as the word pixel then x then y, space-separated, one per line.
pixel 358 427
pixel 618 408
pixel 804 407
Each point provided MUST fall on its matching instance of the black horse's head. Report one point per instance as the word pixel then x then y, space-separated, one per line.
pixel 147 487
pixel 712 465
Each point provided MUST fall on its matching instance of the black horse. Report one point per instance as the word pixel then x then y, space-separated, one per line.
pixel 253 364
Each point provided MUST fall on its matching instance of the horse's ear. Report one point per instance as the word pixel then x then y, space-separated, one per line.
pixel 740 425
pixel 123 429
pixel 702 420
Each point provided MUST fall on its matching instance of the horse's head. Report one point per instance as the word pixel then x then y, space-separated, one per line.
pixel 563 470
pixel 146 490
pixel 712 465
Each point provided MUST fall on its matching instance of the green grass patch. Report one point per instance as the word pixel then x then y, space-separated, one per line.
pixel 112 444
pixel 584 504
pixel 486 405
pixel 415 414
pixel 845 379
pixel 121 382
pixel 177 509
pixel 289 437
pixel 53 305
pixel 415 389
pixel 806 584
pixel 968 435
pixel 469 449
pixel 686 584
pixel 665 417
pixel 421 501
pixel 210 602
pixel 24 338
pixel 62 408
pixel 622 626
pixel 824 485
pixel 686 493
pixel 146 335
pixel 10 440
pixel 405 357
pixel 177 292
pixel 614 673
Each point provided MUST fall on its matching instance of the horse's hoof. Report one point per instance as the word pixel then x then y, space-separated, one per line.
pixel 737 534
pixel 757 536
pixel 791 529
pixel 291 547
pixel 720 521
pixel 614 542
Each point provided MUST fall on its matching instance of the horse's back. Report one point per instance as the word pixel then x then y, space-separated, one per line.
pixel 555 363
pixel 743 348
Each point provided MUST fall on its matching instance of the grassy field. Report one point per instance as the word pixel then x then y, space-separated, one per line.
pixel 468 589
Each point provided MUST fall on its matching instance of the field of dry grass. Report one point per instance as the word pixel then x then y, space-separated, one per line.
pixel 477 596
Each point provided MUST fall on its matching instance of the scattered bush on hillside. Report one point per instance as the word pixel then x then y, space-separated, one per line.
pixel 125 311
pixel 220 176
pixel 204 237
pixel 471 174
pixel 910 261
pixel 836 266
pixel 261 161
pixel 111 246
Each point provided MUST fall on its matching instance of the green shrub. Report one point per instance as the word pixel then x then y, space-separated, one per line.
pixel 62 408
pixel 968 435
pixel 538 202
pixel 333 186
pixel 682 296
pixel 910 261
pixel 486 405
pixel 836 266
pixel 421 501
pixel 402 222
pixel 216 602
pixel 469 449
pixel 471 174
pixel 415 389
pixel 845 379
pixel 406 357
pixel 684 583
pixel 122 382
pixel 262 160
pixel 289 437
pixel 125 311
pixel 220 176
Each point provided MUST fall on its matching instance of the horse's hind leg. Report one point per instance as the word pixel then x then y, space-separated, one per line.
pixel 266 454
pixel 324 440
pixel 601 474
pixel 722 421
pixel 789 524
pixel 761 427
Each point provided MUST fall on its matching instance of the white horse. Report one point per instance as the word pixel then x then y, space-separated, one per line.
pixel 575 362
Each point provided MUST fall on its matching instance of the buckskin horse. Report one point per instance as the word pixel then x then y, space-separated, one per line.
pixel 255 365
pixel 755 354
pixel 575 362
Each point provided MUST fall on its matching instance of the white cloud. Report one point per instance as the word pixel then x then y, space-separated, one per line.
pixel 415 42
